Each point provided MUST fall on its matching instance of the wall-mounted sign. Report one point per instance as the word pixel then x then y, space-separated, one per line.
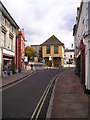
pixel 26 59
pixel 50 58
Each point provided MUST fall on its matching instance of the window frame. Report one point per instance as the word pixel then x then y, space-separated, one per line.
pixel 48 50
pixel 56 50
pixel 11 28
pixel 3 39
pixel 70 56
pixel 11 44
pixel 3 20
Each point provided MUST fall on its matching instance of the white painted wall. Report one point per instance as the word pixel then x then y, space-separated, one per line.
pixel 67 56
pixel 83 24
pixel 0 61
pixel 83 28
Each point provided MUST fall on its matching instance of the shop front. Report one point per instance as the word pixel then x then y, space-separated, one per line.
pixel 55 61
pixel 80 63
pixel 8 63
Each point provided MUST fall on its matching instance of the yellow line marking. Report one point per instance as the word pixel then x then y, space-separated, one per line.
pixel 39 102
pixel 47 88
pixel 43 101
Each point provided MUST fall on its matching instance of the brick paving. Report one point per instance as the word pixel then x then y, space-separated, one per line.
pixel 69 100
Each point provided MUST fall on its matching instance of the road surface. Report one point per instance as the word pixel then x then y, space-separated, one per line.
pixel 20 100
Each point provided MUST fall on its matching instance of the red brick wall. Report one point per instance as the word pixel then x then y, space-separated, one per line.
pixel 20 48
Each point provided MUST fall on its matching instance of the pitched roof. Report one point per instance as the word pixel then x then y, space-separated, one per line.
pixel 7 15
pixel 52 41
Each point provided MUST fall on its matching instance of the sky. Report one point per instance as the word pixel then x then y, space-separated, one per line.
pixel 43 18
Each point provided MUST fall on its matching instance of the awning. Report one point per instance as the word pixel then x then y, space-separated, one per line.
pixel 7 59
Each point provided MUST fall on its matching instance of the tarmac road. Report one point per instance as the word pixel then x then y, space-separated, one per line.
pixel 20 101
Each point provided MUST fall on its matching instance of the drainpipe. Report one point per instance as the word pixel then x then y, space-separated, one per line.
pixel 17 53
pixel 0 61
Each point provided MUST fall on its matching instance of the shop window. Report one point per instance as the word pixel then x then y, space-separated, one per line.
pixel 3 39
pixel 48 50
pixel 55 49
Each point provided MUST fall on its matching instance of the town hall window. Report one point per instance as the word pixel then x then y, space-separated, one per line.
pixel 48 50
pixel 55 49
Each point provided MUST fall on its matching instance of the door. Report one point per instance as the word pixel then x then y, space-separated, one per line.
pixel 83 67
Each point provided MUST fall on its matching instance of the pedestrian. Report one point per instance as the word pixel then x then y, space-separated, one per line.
pixel 31 67
pixel 50 64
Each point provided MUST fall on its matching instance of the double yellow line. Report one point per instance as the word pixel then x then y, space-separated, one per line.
pixel 39 106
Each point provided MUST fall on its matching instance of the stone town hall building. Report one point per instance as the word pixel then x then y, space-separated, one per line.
pixel 53 52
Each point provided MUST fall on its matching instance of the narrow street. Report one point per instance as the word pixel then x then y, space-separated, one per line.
pixel 20 101
pixel 44 60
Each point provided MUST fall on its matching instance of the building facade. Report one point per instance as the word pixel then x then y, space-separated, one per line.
pixel 20 50
pixel 69 56
pixel 53 52
pixel 81 34
pixel 8 31
pixel 37 49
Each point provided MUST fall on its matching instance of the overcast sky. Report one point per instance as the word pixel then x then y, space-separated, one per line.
pixel 43 18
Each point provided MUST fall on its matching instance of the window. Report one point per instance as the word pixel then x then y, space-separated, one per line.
pixel 11 28
pixel 3 21
pixel 70 56
pixel 48 50
pixel 11 43
pixel 3 39
pixel 55 49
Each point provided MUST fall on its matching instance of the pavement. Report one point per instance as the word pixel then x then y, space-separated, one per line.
pixel 9 79
pixel 68 100
pixel 15 77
